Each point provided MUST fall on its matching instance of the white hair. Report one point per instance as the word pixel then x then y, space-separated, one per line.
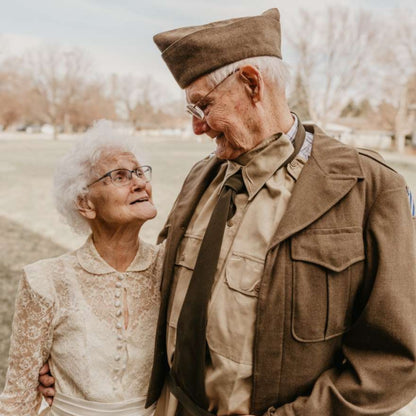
pixel 272 67
pixel 78 168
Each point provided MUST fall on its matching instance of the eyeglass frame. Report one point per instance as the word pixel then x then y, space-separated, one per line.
pixel 195 110
pixel 140 168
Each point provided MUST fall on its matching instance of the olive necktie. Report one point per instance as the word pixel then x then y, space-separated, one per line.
pixel 188 369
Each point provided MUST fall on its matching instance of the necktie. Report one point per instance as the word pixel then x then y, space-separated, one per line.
pixel 190 353
pixel 187 375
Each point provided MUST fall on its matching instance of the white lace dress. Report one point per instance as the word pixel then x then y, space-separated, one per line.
pixel 94 325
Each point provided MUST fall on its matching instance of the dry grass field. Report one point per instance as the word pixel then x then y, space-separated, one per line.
pixel 30 227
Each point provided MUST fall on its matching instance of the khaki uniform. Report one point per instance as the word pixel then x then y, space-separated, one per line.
pixel 333 331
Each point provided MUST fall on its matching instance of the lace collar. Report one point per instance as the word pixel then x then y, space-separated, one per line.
pixel 90 260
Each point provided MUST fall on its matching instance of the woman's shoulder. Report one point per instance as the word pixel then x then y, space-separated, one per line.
pixel 41 275
pixel 152 254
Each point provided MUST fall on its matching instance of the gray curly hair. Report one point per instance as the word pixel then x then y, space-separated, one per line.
pixel 78 168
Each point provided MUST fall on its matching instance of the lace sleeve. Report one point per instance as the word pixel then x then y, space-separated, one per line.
pixel 29 350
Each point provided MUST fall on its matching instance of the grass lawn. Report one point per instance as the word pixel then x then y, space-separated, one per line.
pixel 31 229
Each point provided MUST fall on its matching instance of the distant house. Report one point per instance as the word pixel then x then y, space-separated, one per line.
pixel 359 133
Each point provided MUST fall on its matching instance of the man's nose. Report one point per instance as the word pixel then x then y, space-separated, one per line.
pixel 199 126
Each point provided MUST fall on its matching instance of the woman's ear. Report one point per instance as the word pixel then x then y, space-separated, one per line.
pixel 253 81
pixel 86 207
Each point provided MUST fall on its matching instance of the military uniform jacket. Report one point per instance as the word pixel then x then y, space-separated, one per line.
pixel 335 327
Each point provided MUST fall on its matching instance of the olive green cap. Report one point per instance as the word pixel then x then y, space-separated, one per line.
pixel 193 51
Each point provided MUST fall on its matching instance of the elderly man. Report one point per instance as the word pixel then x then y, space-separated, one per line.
pixel 289 279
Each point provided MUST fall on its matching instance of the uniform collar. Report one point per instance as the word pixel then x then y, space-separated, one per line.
pixel 260 163
pixel 91 261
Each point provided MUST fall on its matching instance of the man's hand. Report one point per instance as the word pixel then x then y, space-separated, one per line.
pixel 47 384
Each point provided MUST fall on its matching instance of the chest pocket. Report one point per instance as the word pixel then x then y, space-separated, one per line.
pixel 327 267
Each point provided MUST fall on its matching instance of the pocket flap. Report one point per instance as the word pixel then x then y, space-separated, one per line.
pixel 188 252
pixel 333 249
pixel 243 274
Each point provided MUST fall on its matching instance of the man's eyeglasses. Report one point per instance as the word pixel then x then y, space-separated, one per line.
pixel 123 177
pixel 195 110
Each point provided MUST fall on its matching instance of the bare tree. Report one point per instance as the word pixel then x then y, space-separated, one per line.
pixel 91 105
pixel 59 77
pixel 138 98
pixel 15 95
pixel 332 50
pixel 396 63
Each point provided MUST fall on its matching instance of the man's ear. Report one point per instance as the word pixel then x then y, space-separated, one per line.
pixel 253 81
pixel 85 207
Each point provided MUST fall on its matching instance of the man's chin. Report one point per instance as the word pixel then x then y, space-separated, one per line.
pixel 227 154
pixel 224 150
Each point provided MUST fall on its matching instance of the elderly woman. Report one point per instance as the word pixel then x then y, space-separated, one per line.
pixel 91 313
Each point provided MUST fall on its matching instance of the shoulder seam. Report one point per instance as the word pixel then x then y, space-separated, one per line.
pixel 371 154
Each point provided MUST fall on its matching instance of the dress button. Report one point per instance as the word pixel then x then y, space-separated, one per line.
pixel 118 293
pixel 117 303
pixel 121 277
pixel 119 325
pixel 119 337
pixel 118 284
pixel 117 358
pixel 119 346
pixel 118 313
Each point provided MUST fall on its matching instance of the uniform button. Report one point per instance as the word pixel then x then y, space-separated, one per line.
pixel 257 288
pixel 293 163
pixel 230 223
pixel 119 325
pixel 117 358
pixel 117 303
pixel 118 284
pixel 118 313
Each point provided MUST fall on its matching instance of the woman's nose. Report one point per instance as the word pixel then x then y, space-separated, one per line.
pixel 138 182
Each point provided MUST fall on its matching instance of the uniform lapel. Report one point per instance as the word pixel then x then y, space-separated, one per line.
pixel 192 191
pixel 330 173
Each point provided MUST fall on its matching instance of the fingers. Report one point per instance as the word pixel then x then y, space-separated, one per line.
pixel 48 393
pixel 44 369
pixel 46 381
pixel 46 384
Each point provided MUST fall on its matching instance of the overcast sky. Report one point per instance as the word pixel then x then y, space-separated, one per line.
pixel 117 34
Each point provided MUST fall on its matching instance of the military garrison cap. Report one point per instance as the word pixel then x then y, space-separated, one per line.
pixel 193 51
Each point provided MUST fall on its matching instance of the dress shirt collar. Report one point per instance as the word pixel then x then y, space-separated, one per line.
pixel 91 261
pixel 260 163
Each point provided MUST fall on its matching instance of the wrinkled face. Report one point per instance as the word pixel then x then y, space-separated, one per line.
pixel 121 205
pixel 228 115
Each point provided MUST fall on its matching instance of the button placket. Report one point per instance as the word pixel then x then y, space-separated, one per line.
pixel 119 326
